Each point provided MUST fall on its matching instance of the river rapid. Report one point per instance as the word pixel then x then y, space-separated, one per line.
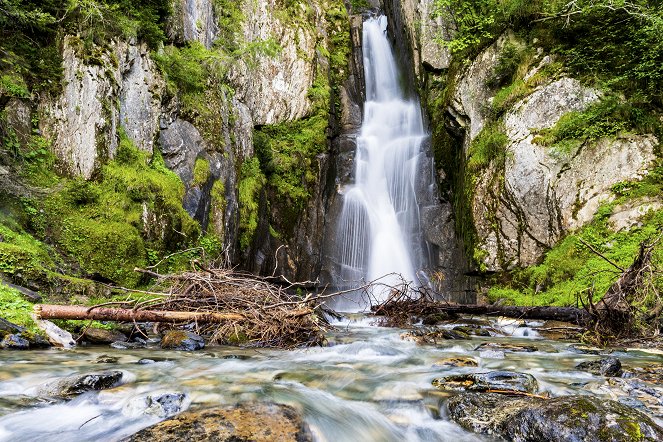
pixel 368 384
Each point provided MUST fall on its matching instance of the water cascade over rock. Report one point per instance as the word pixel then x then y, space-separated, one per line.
pixel 379 231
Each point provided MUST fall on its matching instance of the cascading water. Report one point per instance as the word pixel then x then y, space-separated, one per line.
pixel 379 234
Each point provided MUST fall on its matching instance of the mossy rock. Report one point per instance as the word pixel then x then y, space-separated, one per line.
pixel 570 418
pixel 246 422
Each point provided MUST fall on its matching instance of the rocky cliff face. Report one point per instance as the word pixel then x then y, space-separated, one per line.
pixel 514 208
pixel 269 64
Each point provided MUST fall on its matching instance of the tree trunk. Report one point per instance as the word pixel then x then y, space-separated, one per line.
pixel 47 311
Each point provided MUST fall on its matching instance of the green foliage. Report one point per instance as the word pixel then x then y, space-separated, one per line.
pixel 509 59
pixel 251 183
pixel 31 31
pixel 570 270
pixel 14 308
pixel 606 118
pixel 488 146
pixel 476 23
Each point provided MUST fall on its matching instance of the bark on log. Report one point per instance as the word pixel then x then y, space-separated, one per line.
pixel 49 311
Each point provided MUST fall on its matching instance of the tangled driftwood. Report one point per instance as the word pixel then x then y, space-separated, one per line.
pixel 231 307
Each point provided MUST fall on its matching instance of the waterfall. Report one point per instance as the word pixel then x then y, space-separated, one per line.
pixel 378 231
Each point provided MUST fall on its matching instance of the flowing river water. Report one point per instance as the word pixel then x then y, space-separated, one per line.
pixel 369 384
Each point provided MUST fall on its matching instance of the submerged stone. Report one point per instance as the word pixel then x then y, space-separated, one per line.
pixel 603 367
pixel 258 422
pixel 182 340
pixel 161 405
pixel 472 330
pixel 105 359
pixel 493 380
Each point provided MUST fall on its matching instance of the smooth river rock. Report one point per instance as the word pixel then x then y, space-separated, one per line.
pixel 182 340
pixel 246 422
pixel 71 386
pixel 608 367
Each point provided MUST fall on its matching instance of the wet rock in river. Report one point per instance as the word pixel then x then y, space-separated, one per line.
pixel 246 422
pixel 14 342
pixel 101 336
pixel 435 318
pixel 77 384
pixel 105 359
pixel 499 346
pixel 570 418
pixel 433 336
pixel 608 367
pixel 458 361
pixel 161 405
pixel 182 340
pixel 494 380
pixel 473 330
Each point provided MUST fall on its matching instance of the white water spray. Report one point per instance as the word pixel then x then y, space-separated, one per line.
pixel 379 231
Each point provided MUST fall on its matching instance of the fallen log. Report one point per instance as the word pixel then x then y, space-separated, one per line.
pixel 50 311
pixel 566 314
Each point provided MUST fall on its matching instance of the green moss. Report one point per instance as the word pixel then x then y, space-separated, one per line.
pixel 488 146
pixel 201 172
pixel 606 118
pixel 14 308
pixel 251 183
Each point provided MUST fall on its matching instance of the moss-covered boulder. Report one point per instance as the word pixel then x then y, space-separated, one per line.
pixel 570 418
pixel 246 422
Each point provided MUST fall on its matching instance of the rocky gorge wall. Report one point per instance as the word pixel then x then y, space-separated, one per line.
pixel 228 71
pixel 514 186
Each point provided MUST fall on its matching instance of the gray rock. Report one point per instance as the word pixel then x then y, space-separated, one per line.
pixel 275 88
pixel 571 418
pixel 182 340
pixel 260 422
pixel 493 380
pixel 9 327
pixel 74 385
pixel 608 367
pixel 83 121
pixel 194 20
pixel 14 342
pixel 181 143
pixel 140 95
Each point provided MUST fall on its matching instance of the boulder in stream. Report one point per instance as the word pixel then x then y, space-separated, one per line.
pixel 260 422
pixel 162 405
pixel 562 419
pixel 457 361
pixel 71 386
pixel 607 367
pixel 182 340
pixel 493 380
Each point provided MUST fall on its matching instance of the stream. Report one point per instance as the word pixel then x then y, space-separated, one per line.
pixel 368 384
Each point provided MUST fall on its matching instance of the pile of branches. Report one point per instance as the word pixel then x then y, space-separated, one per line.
pixel 260 311
pixel 632 308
